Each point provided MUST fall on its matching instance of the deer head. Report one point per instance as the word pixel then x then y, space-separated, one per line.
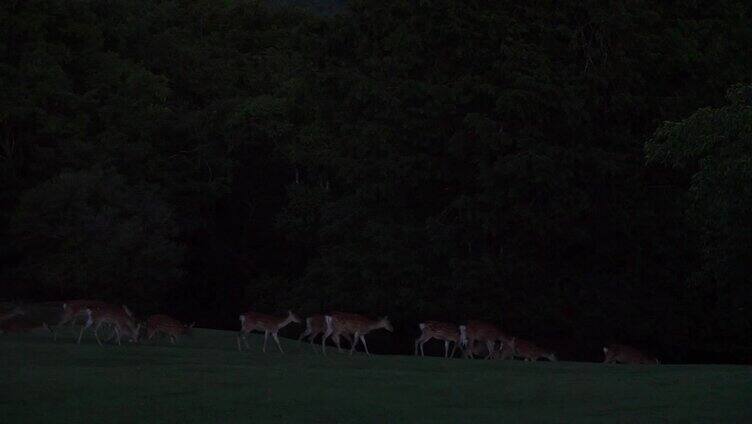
pixel 385 324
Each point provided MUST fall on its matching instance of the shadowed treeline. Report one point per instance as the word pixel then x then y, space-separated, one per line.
pixel 576 173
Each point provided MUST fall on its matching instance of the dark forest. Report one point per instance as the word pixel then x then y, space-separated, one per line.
pixel 577 172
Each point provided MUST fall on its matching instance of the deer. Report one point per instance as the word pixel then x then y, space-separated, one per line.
pixel 21 319
pixel 446 332
pixel 16 311
pixel 616 353
pixel 19 324
pixel 73 311
pixel 120 317
pixel 163 324
pixel 506 351
pixel 482 332
pixel 529 351
pixel 340 323
pixel 315 325
pixel 250 321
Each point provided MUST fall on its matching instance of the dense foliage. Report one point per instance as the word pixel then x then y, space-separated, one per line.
pixel 442 159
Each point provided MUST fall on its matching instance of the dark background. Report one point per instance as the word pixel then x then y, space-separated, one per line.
pixel 578 173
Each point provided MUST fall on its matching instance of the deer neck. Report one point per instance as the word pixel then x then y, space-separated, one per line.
pixel 285 322
pixel 375 325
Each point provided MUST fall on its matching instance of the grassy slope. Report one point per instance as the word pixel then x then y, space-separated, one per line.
pixel 207 380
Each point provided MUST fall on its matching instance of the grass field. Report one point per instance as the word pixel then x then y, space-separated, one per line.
pixel 206 379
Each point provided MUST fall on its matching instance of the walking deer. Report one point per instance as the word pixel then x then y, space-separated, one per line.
pixel 616 353
pixel 482 332
pixel 315 325
pixel 73 312
pixel 340 323
pixel 163 324
pixel 443 331
pixel 529 351
pixel 251 321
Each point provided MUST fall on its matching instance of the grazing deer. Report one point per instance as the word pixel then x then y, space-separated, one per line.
pixel 626 355
pixel 120 317
pixel 74 311
pixel 448 333
pixel 339 323
pixel 529 351
pixel 506 351
pixel 22 319
pixel 250 321
pixel 16 311
pixel 482 332
pixel 163 324
pixel 315 325
pixel 18 324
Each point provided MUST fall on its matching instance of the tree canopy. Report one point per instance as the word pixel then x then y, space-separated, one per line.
pixel 572 171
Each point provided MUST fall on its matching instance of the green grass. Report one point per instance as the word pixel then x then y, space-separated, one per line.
pixel 207 380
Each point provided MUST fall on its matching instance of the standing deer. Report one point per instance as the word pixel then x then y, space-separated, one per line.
pixel 251 321
pixel 74 311
pixel 163 324
pixel 340 323
pixel 482 332
pixel 529 351
pixel 626 355
pixel 120 317
pixel 315 325
pixel 448 333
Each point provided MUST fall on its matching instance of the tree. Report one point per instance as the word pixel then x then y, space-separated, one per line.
pixel 713 148
pixel 90 234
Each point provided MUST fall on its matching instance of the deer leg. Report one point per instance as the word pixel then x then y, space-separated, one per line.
pixel 303 335
pixel 365 346
pixel 64 320
pixel 422 343
pixel 96 332
pixel 56 327
pixel 112 335
pixel 469 349
pixel 312 338
pixel 240 335
pixel 115 335
pixel 277 340
pixel 454 347
pixel 327 333
pixel 80 334
pixel 87 325
pixel 336 341
pixel 266 337
pixel 173 339
pixel 355 342
pixel 417 341
pixel 347 337
pixel 490 345
pixel 446 348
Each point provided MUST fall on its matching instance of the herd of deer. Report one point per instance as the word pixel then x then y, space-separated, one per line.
pixel 475 338
pixel 95 314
